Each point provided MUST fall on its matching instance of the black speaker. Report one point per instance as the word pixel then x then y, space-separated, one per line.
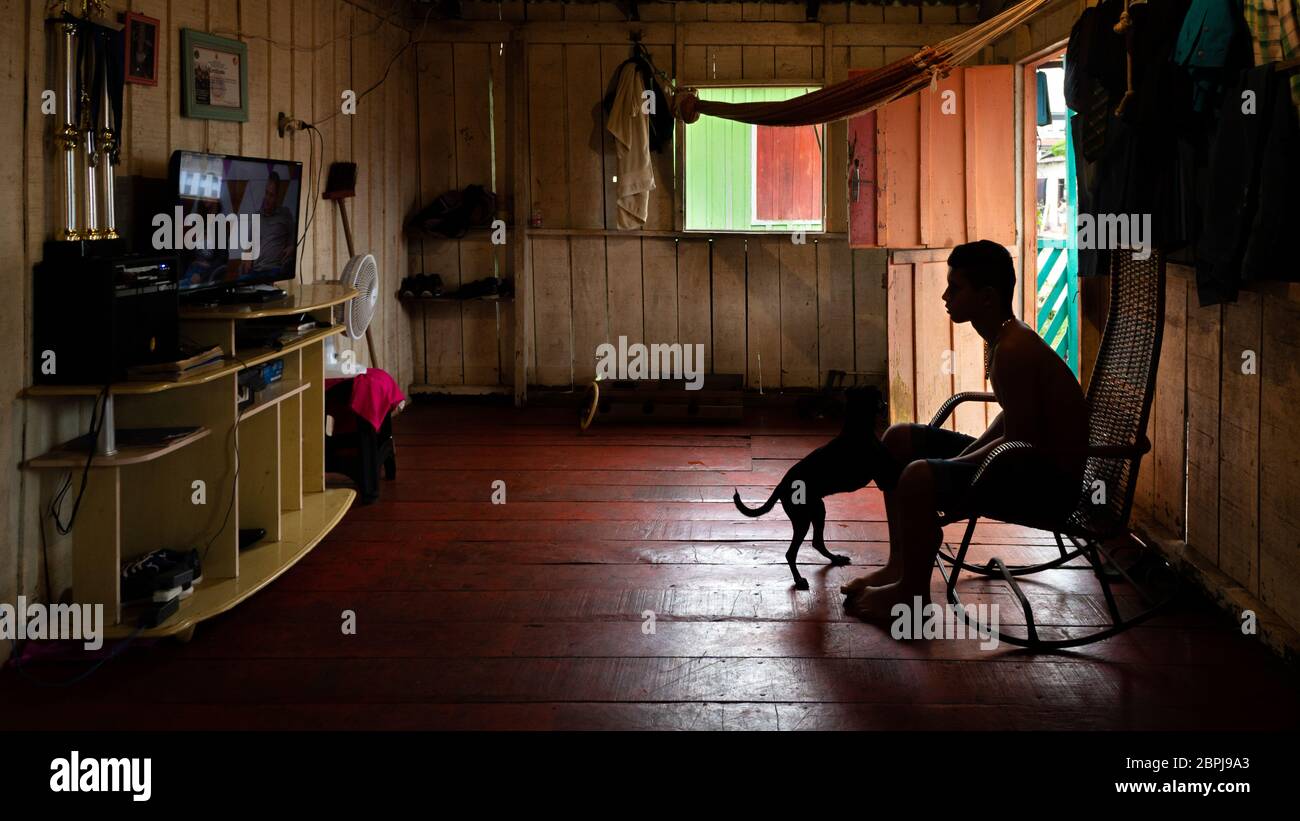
pixel 97 314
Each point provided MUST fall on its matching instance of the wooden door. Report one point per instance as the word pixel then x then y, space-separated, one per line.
pixel 937 168
pixel 926 173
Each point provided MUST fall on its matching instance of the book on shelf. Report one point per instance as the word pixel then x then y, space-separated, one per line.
pixel 190 357
pixel 193 361
pixel 177 374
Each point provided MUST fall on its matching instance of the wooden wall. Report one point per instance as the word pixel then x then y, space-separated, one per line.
pixel 1224 473
pixel 320 48
pixel 800 309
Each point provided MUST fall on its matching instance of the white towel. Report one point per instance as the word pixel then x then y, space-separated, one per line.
pixel 630 126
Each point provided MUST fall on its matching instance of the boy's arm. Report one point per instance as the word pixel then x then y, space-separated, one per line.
pixel 1016 393
pixel 992 434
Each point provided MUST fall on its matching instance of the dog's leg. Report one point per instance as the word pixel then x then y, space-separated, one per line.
pixel 800 530
pixel 818 512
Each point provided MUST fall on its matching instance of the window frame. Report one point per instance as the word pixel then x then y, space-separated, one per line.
pixel 804 226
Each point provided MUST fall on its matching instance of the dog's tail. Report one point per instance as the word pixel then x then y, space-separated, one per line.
pixel 754 512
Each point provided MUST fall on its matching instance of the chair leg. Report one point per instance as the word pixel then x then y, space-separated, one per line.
pixel 989 572
pixel 1095 554
pixel 1090 552
pixel 1024 601
pixel 960 560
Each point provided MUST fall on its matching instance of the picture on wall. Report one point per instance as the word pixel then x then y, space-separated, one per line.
pixel 141 49
pixel 214 77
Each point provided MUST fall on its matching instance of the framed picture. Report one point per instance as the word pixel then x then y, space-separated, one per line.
pixel 141 49
pixel 214 77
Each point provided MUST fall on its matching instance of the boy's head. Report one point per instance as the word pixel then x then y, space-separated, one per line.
pixel 981 281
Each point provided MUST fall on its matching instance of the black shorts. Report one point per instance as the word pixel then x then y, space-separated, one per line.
pixel 1023 485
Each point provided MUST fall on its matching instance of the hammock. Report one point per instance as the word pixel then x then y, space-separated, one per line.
pixel 868 91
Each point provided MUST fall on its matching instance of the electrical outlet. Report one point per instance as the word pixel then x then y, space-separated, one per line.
pixel 286 125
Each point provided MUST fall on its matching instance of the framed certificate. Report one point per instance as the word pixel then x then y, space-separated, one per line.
pixel 214 77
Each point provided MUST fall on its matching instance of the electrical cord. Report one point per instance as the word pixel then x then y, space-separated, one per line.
pixel 117 651
pixel 315 48
pixel 412 39
pixel 234 482
pixel 311 204
pixel 97 415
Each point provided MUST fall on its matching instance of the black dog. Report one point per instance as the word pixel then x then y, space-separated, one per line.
pixel 846 463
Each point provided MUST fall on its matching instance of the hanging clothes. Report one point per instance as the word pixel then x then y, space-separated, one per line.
pixel 630 125
pixel 1254 174
pixel 1275 34
pixel 1139 162
pixel 1211 32
pixel 662 121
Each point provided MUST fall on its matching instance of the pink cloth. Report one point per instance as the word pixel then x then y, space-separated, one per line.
pixel 374 395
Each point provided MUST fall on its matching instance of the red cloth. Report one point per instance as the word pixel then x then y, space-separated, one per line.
pixel 374 395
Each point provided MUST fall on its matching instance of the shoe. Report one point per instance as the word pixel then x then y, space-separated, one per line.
pixel 429 286
pixel 152 578
pixel 185 558
pixel 486 288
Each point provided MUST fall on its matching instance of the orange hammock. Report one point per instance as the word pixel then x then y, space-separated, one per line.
pixel 868 91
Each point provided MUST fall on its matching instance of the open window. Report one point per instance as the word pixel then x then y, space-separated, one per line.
pixel 742 177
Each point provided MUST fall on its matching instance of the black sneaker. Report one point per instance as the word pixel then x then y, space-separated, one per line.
pixel 184 558
pixel 152 578
pixel 429 286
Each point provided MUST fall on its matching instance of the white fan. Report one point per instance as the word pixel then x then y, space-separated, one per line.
pixel 361 272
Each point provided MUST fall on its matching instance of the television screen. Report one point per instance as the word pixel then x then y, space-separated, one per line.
pixel 235 221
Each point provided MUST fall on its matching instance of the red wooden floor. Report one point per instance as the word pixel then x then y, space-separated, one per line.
pixel 530 614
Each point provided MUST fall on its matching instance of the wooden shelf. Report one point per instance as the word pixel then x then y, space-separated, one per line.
pixel 301 531
pixel 256 356
pixel 693 235
pixel 300 299
pixel 274 479
pixel 452 299
pixel 67 456
pixel 133 388
pixel 274 395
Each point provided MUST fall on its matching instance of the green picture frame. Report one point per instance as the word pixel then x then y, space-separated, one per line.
pixel 208 67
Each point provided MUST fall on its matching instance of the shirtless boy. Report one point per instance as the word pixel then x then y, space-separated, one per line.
pixel 1042 404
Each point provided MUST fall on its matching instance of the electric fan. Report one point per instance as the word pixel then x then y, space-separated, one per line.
pixel 361 272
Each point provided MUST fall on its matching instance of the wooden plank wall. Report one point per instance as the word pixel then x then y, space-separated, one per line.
pixel 1228 487
pixel 315 50
pixel 930 357
pixel 755 302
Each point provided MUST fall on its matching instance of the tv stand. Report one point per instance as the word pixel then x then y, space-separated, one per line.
pixel 270 476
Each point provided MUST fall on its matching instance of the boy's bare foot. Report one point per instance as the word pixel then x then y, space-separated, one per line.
pixel 875 604
pixel 879 577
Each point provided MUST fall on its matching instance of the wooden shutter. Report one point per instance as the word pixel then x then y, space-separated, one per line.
pixel 937 168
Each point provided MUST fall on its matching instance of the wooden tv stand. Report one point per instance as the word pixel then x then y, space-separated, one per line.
pixel 142 498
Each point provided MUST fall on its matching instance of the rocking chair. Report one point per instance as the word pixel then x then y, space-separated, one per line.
pixel 1119 406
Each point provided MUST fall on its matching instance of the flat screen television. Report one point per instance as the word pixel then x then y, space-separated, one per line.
pixel 234 221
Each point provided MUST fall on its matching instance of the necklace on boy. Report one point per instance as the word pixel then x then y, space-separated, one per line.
pixel 988 349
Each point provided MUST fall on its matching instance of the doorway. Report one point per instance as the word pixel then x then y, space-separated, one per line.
pixel 1053 218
